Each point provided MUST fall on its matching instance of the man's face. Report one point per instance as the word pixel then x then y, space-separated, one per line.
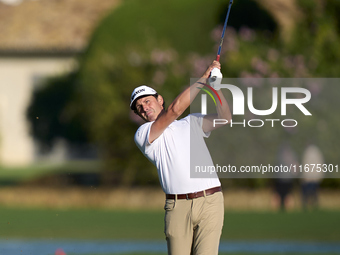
pixel 149 107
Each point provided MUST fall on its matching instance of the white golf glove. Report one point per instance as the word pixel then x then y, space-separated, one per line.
pixel 215 78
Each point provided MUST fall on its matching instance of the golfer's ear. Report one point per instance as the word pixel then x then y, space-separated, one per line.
pixel 160 99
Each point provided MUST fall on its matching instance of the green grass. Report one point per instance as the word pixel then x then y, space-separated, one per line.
pixel 288 226
pixel 82 224
pixel 222 254
pixel 148 225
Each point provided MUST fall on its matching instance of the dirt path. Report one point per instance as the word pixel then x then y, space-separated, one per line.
pixel 144 198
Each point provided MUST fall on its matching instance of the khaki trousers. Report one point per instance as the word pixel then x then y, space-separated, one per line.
pixel 194 226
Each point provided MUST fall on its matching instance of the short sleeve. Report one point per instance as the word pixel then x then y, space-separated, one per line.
pixel 196 120
pixel 142 137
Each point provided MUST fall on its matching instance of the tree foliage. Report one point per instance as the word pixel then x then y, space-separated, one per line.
pixel 163 44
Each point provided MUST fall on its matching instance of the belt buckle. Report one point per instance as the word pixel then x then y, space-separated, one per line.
pixel 194 195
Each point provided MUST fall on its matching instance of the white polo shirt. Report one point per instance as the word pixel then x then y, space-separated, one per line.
pixel 170 153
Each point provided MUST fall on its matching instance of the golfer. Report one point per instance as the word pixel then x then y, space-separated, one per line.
pixel 194 207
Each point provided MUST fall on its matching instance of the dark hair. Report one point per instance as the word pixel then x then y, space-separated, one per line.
pixel 155 96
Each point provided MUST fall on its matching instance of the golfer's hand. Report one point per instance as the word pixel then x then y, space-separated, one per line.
pixel 214 64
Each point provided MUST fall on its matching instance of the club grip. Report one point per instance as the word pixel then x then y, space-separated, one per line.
pixel 218 58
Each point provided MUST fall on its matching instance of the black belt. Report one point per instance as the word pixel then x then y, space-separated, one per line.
pixel 195 194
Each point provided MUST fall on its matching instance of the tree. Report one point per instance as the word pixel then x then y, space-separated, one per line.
pixel 163 44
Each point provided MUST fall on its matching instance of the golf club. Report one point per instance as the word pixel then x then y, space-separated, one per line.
pixel 216 75
pixel 223 32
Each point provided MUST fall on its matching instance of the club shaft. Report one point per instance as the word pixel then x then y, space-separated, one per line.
pixel 223 32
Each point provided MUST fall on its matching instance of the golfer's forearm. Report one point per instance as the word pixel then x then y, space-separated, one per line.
pixel 183 100
pixel 223 110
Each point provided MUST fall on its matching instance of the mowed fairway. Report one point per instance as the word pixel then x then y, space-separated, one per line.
pixel 219 254
pixel 148 225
